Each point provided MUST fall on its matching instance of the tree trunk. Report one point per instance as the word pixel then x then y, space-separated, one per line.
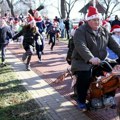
pixel 63 9
pixel 11 7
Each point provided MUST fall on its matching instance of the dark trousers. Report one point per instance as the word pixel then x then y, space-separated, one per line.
pixel 29 52
pixel 67 33
pixel 39 49
pixel 3 50
pixel 52 40
pixel 39 53
pixel 82 84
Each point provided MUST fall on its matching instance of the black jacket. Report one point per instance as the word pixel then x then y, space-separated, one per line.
pixel 29 34
pixel 88 45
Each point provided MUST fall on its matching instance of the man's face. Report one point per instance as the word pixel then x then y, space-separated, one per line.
pixel 36 14
pixel 95 23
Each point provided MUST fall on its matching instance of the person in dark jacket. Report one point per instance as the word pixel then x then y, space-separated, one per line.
pixel 116 21
pixel 5 35
pixel 39 47
pixel 41 26
pixel 30 33
pixel 48 25
pixel 52 32
pixel 90 42
pixel 67 27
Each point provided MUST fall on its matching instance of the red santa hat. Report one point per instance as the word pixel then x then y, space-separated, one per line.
pixel 104 22
pixel 108 19
pixel 30 19
pixel 115 28
pixel 93 13
pixel 81 23
pixel 75 27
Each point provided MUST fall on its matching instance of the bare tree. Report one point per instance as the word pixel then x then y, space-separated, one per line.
pixel 1 1
pixel 69 4
pixel 13 3
pixel 11 7
pixel 65 7
pixel 111 6
pixel 62 9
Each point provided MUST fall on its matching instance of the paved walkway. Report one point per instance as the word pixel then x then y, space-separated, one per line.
pixel 40 83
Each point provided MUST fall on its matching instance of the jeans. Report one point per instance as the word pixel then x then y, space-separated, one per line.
pixel 62 33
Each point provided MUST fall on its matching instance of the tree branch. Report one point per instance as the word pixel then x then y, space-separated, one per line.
pixel 1 1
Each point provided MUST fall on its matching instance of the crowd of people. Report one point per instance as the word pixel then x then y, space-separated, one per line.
pixel 31 32
pixel 93 41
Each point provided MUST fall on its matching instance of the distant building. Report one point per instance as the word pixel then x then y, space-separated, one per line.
pixel 100 8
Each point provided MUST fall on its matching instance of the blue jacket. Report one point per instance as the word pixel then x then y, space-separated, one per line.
pixel 5 34
pixel 111 54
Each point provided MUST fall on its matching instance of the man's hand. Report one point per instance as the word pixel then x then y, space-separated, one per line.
pixel 95 61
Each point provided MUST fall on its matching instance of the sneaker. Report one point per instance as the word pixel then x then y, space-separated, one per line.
pixel 24 57
pixel 28 68
pixel 51 48
pixel 39 61
pixel 42 53
pixel 82 107
pixel 3 64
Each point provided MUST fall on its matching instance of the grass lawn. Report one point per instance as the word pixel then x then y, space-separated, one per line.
pixel 15 102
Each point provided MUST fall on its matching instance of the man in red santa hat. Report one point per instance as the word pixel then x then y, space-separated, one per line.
pixel 115 31
pixel 90 41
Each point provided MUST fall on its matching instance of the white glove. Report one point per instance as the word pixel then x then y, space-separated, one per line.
pixel 10 41
pixel 95 61
pixel 39 41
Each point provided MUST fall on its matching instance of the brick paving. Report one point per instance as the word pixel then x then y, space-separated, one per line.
pixel 54 97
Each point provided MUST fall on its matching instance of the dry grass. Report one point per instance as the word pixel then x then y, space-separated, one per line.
pixel 15 102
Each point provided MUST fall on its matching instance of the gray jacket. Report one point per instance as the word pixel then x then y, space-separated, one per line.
pixel 5 34
pixel 88 45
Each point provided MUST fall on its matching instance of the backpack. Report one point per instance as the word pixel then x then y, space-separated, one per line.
pixel 70 50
